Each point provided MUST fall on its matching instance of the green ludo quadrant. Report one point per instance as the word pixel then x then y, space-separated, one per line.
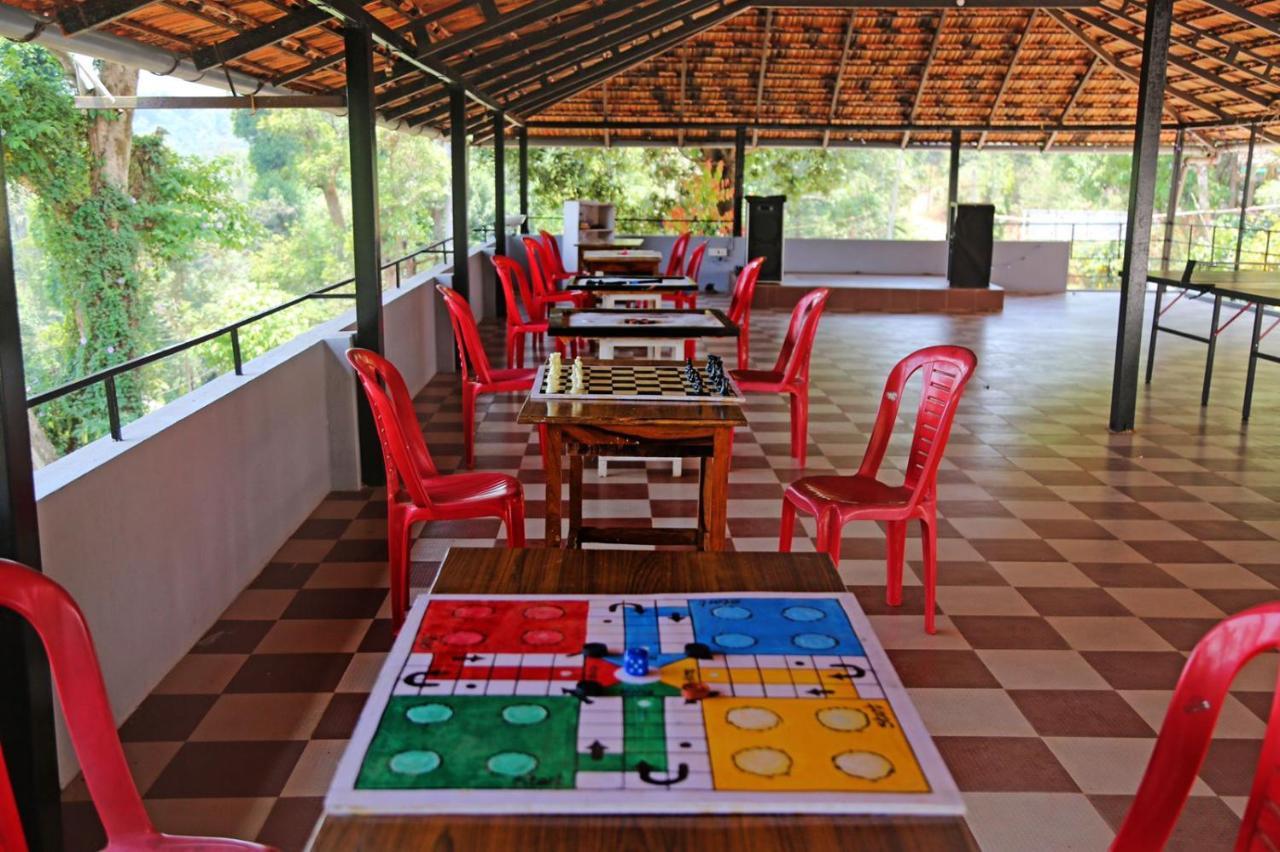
pixel 473 742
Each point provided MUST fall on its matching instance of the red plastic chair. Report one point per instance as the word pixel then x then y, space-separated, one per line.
pixel 744 290
pixel 478 376
pixel 1188 727
pixel 790 375
pixel 690 300
pixel 83 696
pixel 540 273
pixel 675 263
pixel 416 491
pixel 836 500
pixel 558 272
pixel 515 290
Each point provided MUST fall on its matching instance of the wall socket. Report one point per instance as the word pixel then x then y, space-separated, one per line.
pixel 719 252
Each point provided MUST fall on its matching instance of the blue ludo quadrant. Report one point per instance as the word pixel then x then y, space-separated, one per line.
pixel 774 626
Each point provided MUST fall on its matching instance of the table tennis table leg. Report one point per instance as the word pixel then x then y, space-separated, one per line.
pixel 1213 344
pixel 1254 343
pixel 1155 331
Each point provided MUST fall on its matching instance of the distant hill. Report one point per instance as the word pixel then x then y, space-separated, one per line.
pixel 195 132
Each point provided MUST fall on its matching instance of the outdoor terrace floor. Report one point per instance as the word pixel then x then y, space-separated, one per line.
pixel 1078 568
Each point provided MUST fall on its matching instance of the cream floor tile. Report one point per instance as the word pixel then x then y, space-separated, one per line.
pixel 314 770
pixel 1216 575
pixel 210 817
pixel 907 632
pixel 1165 603
pixel 1108 633
pixel 1235 722
pixel 1056 575
pixel 983 600
pixel 1025 669
pixel 1095 550
pixel 1044 822
pixel 262 716
pixel 970 712
pixel 260 604
pixel 203 674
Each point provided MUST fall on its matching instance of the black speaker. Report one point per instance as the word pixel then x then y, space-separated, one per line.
pixel 969 255
pixel 764 233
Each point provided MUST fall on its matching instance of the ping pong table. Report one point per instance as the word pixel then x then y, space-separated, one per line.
pixel 1244 289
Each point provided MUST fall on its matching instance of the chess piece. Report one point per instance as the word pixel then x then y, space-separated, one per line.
pixel 695 691
pixel 577 378
pixel 635 662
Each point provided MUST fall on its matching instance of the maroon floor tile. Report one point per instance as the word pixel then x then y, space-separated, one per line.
pixel 1228 768
pixel 1177 551
pixel 1008 632
pixel 1050 601
pixel 1206 822
pixel 358 550
pixel 290 823
pixel 973 509
pixel 1181 633
pixel 335 603
pixel 969 574
pixel 1137 669
pixel 379 637
pixel 1116 510
pixel 1156 493
pixel 1079 713
pixel 227 770
pixel 1064 477
pixel 169 718
pixel 955 669
pixel 81 829
pixel 1069 528
pixel 1128 575
pixel 1232 601
pixel 290 673
pixel 1016 550
pixel 283 575
pixel 871 599
pixel 472 528
pixel 322 528
pixel 1214 530
pixel 340 717
pixel 1004 765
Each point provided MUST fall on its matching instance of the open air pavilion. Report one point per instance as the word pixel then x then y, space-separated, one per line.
pixel 230 551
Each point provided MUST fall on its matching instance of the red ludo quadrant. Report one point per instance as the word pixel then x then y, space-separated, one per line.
pixel 454 630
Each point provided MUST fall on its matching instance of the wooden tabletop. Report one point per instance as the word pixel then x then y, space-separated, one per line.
pixel 542 571
pixel 622 322
pixel 624 412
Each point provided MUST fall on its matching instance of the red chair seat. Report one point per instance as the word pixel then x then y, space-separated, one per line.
pixel 759 381
pixel 516 379
pixel 848 494
pixel 459 490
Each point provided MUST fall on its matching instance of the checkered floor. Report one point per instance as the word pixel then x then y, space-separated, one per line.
pixel 1078 568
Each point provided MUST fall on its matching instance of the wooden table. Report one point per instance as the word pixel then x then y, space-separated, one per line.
pixel 606 245
pixel 640 326
pixel 501 571
pixel 637 261
pixel 640 429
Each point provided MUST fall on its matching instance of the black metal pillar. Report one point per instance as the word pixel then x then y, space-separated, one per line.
pixel 458 187
pixel 26 697
pixel 953 181
pixel 499 184
pixel 1171 210
pixel 523 137
pixel 1244 192
pixel 1142 190
pixel 365 232
pixel 739 176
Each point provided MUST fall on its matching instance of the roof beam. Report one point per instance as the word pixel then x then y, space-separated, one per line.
pixel 1075 96
pixel 1176 61
pixel 835 88
pixel 308 70
pixel 924 74
pixel 925 4
pixel 708 15
pixel 1234 51
pixel 764 64
pixel 500 26
pixel 1240 13
pixel 272 32
pixel 213 102
pixel 352 11
pixel 818 127
pixel 684 77
pixel 78 17
pixel 1008 72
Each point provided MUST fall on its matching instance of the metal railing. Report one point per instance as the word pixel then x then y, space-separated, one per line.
pixel 107 377
pixel 667 225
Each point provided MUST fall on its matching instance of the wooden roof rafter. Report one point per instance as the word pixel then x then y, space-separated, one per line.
pixel 844 62
pixel 1008 74
pixel 1075 97
pixel 924 74
pixel 764 65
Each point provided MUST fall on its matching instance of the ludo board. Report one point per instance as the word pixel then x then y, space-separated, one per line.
pixel 503 704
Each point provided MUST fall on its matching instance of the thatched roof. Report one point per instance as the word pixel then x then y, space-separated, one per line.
pixel 689 71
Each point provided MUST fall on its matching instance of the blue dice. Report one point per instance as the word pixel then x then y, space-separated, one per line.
pixel 636 662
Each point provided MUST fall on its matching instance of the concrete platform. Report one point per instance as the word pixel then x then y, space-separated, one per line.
pixel 899 294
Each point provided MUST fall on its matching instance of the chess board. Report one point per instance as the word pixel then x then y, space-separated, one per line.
pixel 623 284
pixel 620 381
pixel 647 320
pixel 522 704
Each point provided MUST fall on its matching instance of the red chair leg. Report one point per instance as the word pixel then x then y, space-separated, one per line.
pixel 929 534
pixel 829 529
pixel 744 359
pixel 690 350
pixel 897 547
pixel 800 425
pixel 511 348
pixel 515 523
pixel 469 424
pixel 787 527
pixel 398 565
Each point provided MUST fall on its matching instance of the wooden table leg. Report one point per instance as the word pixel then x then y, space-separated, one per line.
pixel 716 489
pixel 575 497
pixel 702 503
pixel 555 470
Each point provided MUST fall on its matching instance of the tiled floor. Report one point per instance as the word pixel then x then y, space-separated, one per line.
pixel 1078 568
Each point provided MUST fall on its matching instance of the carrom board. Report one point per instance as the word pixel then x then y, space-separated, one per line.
pixel 600 322
pixel 521 704
pixel 623 284
pixel 619 381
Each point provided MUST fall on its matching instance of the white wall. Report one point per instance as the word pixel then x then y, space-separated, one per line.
pixel 155 535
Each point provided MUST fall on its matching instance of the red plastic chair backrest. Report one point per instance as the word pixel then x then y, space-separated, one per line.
pixel 471 355
pixel 946 371
pixel 58 622
pixel 553 253
pixel 539 266
pixel 1188 727
pixel 744 290
pixel 676 262
pixel 404 450
pixel 515 290
pixel 695 262
pixel 802 331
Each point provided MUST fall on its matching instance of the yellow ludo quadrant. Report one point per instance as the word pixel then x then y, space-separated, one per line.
pixel 800 744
